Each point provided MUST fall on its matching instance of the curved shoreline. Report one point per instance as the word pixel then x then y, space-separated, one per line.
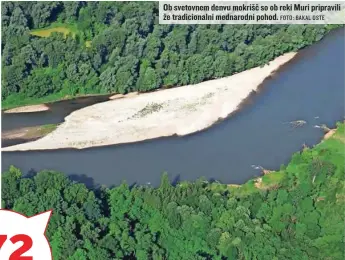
pixel 176 111
pixel 27 109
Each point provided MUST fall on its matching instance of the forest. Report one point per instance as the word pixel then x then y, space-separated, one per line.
pixel 53 50
pixel 296 213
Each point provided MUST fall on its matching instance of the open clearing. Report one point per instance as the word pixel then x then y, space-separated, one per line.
pixel 48 31
pixel 179 111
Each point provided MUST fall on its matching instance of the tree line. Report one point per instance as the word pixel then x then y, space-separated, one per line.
pixel 129 50
pixel 294 213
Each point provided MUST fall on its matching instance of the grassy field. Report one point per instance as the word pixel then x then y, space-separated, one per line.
pixel 48 31
pixel 56 27
pixel 59 28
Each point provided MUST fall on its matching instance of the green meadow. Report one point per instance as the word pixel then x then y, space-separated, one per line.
pixel 65 29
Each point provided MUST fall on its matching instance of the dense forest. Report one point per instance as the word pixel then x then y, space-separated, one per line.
pixel 294 213
pixel 119 47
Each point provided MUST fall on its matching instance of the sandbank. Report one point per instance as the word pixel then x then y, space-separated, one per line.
pixel 27 133
pixel 176 111
pixel 28 109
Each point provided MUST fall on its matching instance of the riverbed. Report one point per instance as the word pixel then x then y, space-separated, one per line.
pixel 175 111
pixel 310 88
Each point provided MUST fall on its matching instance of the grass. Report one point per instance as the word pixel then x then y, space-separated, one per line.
pixel 88 44
pixel 32 132
pixel 59 28
pixel 56 27
pixel 340 133
pixel 46 129
pixel 18 100
pixel 272 180
pixel 244 189
pixel 336 141
pixel 40 131
pixel 336 154
pixel 46 32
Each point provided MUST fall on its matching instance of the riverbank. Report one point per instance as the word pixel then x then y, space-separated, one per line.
pixel 178 111
pixel 308 192
pixel 46 105
pixel 28 109
pixel 333 141
pixel 27 134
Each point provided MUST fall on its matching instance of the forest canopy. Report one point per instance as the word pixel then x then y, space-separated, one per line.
pixel 57 49
pixel 294 213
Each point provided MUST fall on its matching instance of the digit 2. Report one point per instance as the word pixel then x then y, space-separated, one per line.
pixel 17 254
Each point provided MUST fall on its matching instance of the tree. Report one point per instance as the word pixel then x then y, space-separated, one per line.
pixel 193 220
pixel 146 55
pixel 147 79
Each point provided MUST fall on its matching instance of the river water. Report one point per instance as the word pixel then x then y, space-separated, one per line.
pixel 56 113
pixel 310 88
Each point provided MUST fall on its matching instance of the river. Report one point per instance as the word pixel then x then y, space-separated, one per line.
pixel 56 113
pixel 309 88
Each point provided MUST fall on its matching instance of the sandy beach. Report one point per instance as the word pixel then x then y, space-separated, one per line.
pixel 180 111
pixel 28 109
pixel 329 134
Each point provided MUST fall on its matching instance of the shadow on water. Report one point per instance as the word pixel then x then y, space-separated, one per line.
pixel 176 180
pixel 310 88
pixel 80 178
pixel 83 178
pixel 31 173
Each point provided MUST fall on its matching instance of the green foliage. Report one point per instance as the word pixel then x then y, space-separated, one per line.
pixel 297 213
pixel 43 82
pixel 47 49
pixel 19 99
